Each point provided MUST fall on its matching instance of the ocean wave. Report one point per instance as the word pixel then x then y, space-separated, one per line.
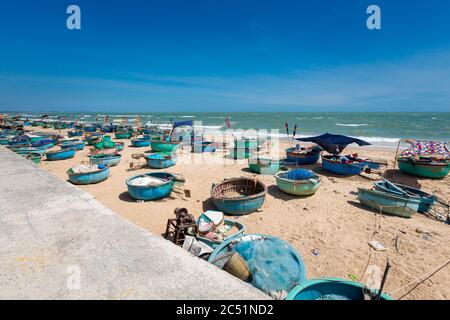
pixel 318 118
pixel 188 117
pixel 351 124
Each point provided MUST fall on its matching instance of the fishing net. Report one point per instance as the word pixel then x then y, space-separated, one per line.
pixel 275 266
pixel 298 174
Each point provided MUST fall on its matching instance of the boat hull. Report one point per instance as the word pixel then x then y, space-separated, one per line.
pixel 120 146
pixel 162 146
pixel 78 146
pixel 298 187
pixel 149 193
pixel 109 160
pixel 341 169
pixel 426 170
pixel 388 203
pixel 157 163
pixel 123 135
pixel 330 289
pixel 264 166
pixel 306 158
pixel 60 155
pixel 89 177
pixel 140 143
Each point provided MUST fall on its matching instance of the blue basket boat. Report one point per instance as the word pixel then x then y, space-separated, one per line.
pixel 426 200
pixel 274 266
pixel 77 145
pixel 239 196
pixel 303 155
pixel 337 165
pixel 264 165
pixel 161 160
pixel 110 160
pixel 96 175
pixel 152 191
pixel 332 289
pixel 60 155
pixel 389 203
pixel 140 143
pixel 298 182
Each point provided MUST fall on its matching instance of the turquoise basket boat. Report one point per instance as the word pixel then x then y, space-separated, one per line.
pixel 92 177
pixel 110 160
pixel 120 146
pixel 264 165
pixel 331 289
pixel 389 203
pixel 35 157
pixel 426 169
pixel 231 224
pixel 298 182
pixel 161 160
pixel 140 143
pixel 336 166
pixel 239 196
pixel 77 145
pixel 123 135
pixel 151 192
pixel 60 155
pixel 164 146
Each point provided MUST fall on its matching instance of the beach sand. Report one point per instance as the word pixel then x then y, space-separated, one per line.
pixel 330 223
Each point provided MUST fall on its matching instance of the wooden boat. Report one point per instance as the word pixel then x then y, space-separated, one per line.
pixel 98 174
pixel 331 289
pixel 110 160
pixel 239 196
pixel 161 160
pixel 240 153
pixel 335 164
pixel 298 182
pixel 264 165
pixel 426 200
pixel 154 191
pixel 123 135
pixel 110 151
pixel 231 224
pixel 60 155
pixel 119 146
pixel 140 143
pixel 164 146
pixel 389 203
pixel 77 145
pixel 274 265
pixel 426 168
pixel 303 155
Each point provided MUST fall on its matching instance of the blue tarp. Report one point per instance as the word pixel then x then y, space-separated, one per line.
pixel 334 143
pixel 188 123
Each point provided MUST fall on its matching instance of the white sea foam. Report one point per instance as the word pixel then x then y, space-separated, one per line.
pixel 352 124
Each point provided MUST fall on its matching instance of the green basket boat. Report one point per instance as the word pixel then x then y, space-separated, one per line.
pixel 164 146
pixel 423 168
pixel 298 182
pixel 264 165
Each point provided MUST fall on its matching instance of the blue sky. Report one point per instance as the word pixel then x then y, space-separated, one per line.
pixel 225 55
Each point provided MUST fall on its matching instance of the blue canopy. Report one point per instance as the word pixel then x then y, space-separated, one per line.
pixel 177 124
pixel 334 143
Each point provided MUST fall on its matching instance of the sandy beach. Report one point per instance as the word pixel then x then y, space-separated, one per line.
pixel 330 229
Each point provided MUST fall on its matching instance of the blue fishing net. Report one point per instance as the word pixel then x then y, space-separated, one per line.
pixel 41 143
pixel 298 174
pixel 274 265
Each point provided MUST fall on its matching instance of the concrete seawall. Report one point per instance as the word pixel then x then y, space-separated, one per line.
pixel 58 242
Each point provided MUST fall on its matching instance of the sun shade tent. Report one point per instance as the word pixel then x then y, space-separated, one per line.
pixel 334 143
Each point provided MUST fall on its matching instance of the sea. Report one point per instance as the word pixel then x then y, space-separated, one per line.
pixel 379 128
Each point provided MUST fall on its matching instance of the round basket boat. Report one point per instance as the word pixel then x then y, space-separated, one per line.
pixel 77 145
pixel 119 146
pixel 161 160
pixel 35 157
pixel 303 155
pixel 100 174
pixel 164 146
pixel 275 266
pixel 239 196
pixel 60 155
pixel 157 191
pixel 298 182
pixel 331 289
pixel 105 159
pixel 264 165
pixel 140 143
pixel 123 135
